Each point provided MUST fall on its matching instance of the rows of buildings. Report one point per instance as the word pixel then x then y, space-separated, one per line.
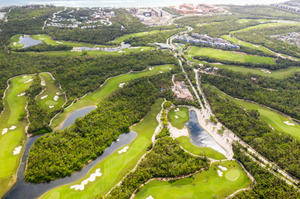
pixel 291 8
pixel 197 9
pixel 204 39
pixel 291 38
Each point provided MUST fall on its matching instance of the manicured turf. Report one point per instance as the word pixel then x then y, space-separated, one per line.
pixel 111 85
pixel 47 39
pixel 14 108
pixel 206 184
pixel 228 55
pixel 94 52
pixel 15 40
pixel 183 117
pixel 51 90
pixel 233 175
pixel 273 118
pixel 204 151
pixel 116 166
pixel 122 38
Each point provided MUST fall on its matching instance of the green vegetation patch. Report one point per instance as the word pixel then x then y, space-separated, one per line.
pixel 204 151
pixel 258 60
pixel 138 34
pixel 233 175
pixel 178 118
pixel 207 184
pixel 14 42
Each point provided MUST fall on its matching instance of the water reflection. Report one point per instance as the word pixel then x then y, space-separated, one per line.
pixel 28 41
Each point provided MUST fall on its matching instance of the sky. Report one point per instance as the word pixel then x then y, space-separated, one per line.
pixel 130 3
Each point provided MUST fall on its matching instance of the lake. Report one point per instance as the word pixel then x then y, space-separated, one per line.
pixel 28 41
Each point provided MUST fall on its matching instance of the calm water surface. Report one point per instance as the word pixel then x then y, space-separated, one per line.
pixel 28 41
pixel 198 136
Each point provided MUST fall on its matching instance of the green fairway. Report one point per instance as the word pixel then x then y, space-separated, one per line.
pixel 122 38
pixel 233 175
pixel 182 115
pixel 51 91
pixel 110 86
pixel 116 166
pixel 228 55
pixel 48 40
pixel 14 42
pixel 14 108
pixel 206 184
pixel 273 118
pixel 204 151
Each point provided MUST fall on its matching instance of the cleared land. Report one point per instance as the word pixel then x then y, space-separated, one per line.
pixel 273 118
pixel 122 38
pixel 110 86
pixel 14 108
pixel 183 117
pixel 206 184
pixel 116 166
pixel 50 92
pixel 14 42
pixel 204 151
pixel 228 55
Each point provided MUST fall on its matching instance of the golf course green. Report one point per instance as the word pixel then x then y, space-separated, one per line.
pixel 111 85
pixel 206 184
pixel 115 166
pixel 51 91
pixel 228 55
pixel 139 34
pixel 185 142
pixel 273 118
pixel 14 42
pixel 182 114
pixel 12 119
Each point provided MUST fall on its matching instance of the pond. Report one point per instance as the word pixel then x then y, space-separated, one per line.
pixel 199 137
pixel 123 45
pixel 22 189
pixel 28 41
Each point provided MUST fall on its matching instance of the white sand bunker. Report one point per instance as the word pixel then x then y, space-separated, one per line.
pixel 22 94
pixel 176 116
pixel 123 150
pixel 92 178
pixel 51 106
pixel 17 150
pixel 28 81
pixel 43 83
pixel 176 110
pixel 12 127
pixel 142 49
pixel 59 42
pixel 222 168
pixel 24 76
pixel 120 51
pixel 121 85
pixel 265 71
pixel 151 68
pixel 45 96
pixel 220 173
pixel 4 131
pixel 160 72
pixel 150 197
pixel 288 123
pixel 15 43
pixel 55 98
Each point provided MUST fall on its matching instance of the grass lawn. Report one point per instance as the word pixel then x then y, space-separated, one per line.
pixel 14 42
pixel 51 90
pixel 183 117
pixel 122 38
pixel 206 184
pixel 110 86
pixel 228 55
pixel 14 108
pixel 204 151
pixel 116 166
pixel 47 39
pixel 271 117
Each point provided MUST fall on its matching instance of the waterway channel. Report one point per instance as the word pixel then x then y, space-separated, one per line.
pixel 198 136
pixel 22 189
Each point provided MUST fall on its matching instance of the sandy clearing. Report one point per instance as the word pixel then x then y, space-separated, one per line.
pixel 124 150
pixel 17 150
pixel 92 178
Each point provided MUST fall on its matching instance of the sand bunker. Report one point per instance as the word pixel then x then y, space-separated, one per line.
pixel 22 94
pixel 121 85
pixel 256 46
pixel 288 123
pixel 4 131
pixel 265 71
pixel 43 83
pixel 151 68
pixel 45 96
pixel 12 127
pixel 51 106
pixel 55 98
pixel 59 42
pixel 17 150
pixel 24 76
pixel 160 72
pixel 92 178
pixel 150 197
pixel 28 81
pixel 142 49
pixel 41 38
pixel 120 51
pixel 15 43
pixel 220 173
pixel 123 150
pixel 176 110
pixel 176 116
pixel 222 168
